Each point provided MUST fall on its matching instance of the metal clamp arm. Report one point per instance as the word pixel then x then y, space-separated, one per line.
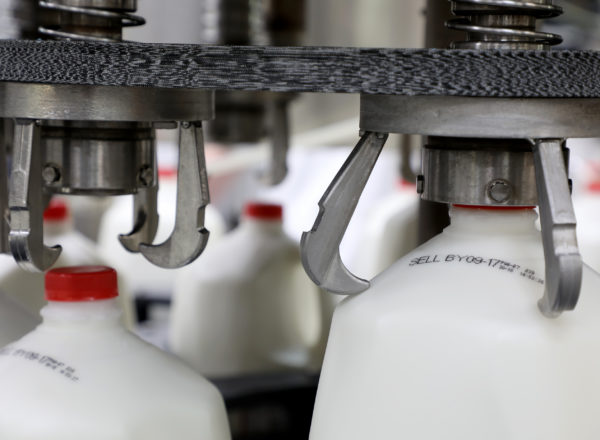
pixel 561 254
pixel 4 225
pixel 280 134
pixel 26 237
pixel 189 237
pixel 146 219
pixel 320 247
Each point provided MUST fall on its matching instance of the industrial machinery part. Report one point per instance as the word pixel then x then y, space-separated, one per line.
pixel 83 157
pixel 494 24
pixel 501 94
pixel 233 22
pixel 154 107
pixel 18 18
pixel 404 72
pixel 26 201
pixel 243 116
pixel 99 158
pixel 561 254
pixel 320 247
pixel 5 138
pixel 100 141
pixel 189 238
pixel 91 20
pixel 467 170
pixel 499 172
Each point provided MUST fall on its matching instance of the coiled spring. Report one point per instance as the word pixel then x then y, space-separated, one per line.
pixel 503 24
pixel 86 22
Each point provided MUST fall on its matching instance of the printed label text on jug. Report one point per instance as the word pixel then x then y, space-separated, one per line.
pixel 493 263
pixel 42 360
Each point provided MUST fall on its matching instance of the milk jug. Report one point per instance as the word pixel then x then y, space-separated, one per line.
pixel 26 288
pixel 15 321
pixel 248 307
pixel 449 344
pixel 390 231
pixel 587 209
pixel 82 375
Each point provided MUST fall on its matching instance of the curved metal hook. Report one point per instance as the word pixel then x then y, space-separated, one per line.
pixel 189 237
pixel 146 219
pixel 557 217
pixel 25 200
pixel 320 246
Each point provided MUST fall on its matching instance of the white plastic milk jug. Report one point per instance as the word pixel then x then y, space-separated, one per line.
pixel 449 344
pixel 82 375
pixel 27 288
pixel 15 321
pixel 248 307
pixel 390 231
pixel 587 210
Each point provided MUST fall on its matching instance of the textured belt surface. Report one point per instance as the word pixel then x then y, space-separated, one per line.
pixel 541 74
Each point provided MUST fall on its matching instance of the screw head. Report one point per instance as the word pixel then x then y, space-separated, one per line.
pixel 499 190
pixel 146 176
pixel 51 174
pixel 186 124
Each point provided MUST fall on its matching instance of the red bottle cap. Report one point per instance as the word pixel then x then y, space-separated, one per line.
pixel 594 186
pixel 56 211
pixel 167 173
pixel 264 211
pixel 494 207
pixel 81 283
pixel 402 183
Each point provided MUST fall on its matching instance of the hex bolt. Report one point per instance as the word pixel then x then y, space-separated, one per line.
pixel 499 190
pixel 146 176
pixel 51 174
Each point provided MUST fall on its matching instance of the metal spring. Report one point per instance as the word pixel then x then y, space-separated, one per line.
pixel 499 24
pixel 126 19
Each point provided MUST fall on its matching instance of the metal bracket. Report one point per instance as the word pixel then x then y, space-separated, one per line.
pixel 25 201
pixel 320 247
pixel 280 134
pixel 189 237
pixel 405 148
pixel 146 219
pixel 561 254
pixel 4 226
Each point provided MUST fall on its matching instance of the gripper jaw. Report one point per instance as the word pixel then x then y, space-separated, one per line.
pixel 26 202
pixel 557 217
pixel 320 246
pixel 189 236
pixel 146 220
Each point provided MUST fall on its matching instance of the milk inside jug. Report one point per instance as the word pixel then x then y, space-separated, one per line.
pixel 248 307
pixel 390 231
pixel 449 343
pixel 15 321
pixel 587 208
pixel 82 375
pixel 26 288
